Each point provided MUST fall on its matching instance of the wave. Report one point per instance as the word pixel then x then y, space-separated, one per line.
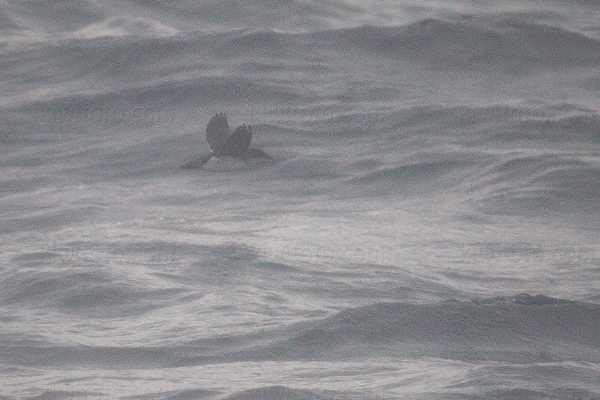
pixel 508 44
pixel 93 293
pixel 498 42
pixel 88 19
pixel 35 220
pixel 102 64
pixel 78 275
pixel 530 394
pixel 159 96
pixel 522 327
pixel 262 393
pixel 457 44
pixel 413 178
pixel 271 44
pixel 539 184
pixel 568 129
pixel 281 392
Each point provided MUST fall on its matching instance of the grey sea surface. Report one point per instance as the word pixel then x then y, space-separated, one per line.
pixel 429 227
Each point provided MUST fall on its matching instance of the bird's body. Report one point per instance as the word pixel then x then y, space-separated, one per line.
pixel 225 163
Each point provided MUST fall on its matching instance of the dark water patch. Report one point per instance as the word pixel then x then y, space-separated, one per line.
pixel 35 259
pixel 511 394
pixel 411 172
pixel 61 394
pixel 165 248
pixel 581 183
pixel 541 184
pixel 525 299
pixel 307 169
pixel 266 44
pixel 28 160
pixel 461 117
pixel 553 45
pixel 12 186
pixel 413 178
pixel 44 286
pixel 536 202
pixel 8 24
pixel 82 356
pixel 275 266
pixel 266 66
pixel 18 130
pixel 222 264
pixel 437 43
pixel 47 219
pixel 507 45
pixel 524 327
pixel 119 106
pixel 94 294
pixel 354 124
pixel 569 129
pixel 522 168
pixel 105 61
pixel 282 392
pixel 54 15
pixel 106 300
pixel 189 394
pixel 530 394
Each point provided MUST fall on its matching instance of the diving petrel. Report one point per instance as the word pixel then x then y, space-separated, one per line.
pixel 229 151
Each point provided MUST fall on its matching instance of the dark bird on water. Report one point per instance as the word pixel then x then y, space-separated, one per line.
pixel 229 151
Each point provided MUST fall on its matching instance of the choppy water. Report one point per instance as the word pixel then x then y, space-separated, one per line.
pixel 429 228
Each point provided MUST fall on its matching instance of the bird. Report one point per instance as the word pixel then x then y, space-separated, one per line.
pixel 229 150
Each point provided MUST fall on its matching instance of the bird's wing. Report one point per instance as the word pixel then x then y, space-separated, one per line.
pixel 237 143
pixel 217 131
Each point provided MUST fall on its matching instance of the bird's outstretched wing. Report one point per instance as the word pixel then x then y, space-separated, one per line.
pixel 217 131
pixel 237 143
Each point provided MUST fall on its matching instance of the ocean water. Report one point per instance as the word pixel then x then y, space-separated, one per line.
pixel 429 227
